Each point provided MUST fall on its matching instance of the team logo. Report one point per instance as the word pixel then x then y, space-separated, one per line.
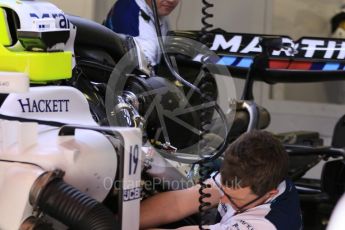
pixel 44 106
pixel 247 44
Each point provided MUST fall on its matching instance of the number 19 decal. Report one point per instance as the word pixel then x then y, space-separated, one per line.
pixel 133 159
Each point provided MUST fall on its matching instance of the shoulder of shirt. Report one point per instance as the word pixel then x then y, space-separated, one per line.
pixel 147 10
pixel 244 224
pixel 143 6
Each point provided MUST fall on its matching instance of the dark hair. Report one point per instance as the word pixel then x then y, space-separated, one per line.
pixel 256 159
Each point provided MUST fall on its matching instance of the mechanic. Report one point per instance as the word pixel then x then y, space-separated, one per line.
pixel 252 191
pixel 135 18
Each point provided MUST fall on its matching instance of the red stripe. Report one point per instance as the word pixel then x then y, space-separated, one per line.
pixel 282 64
pixel 300 65
pixel 278 64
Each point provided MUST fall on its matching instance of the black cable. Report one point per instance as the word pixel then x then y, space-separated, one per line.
pixel 204 169
pixel 206 25
pixel 164 53
pixel 204 205
pixel 21 162
pixel 40 122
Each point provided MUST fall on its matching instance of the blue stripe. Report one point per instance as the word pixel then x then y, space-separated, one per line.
pixel 123 18
pixel 331 66
pixel 245 62
pixel 317 66
pixel 226 61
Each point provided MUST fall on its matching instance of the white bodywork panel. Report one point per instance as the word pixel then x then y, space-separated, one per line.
pixel 14 82
pixel 88 157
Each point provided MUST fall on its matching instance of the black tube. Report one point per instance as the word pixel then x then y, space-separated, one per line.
pixel 74 208
pixel 164 53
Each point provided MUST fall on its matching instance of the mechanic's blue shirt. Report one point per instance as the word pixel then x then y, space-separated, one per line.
pixel 135 18
pixel 282 212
